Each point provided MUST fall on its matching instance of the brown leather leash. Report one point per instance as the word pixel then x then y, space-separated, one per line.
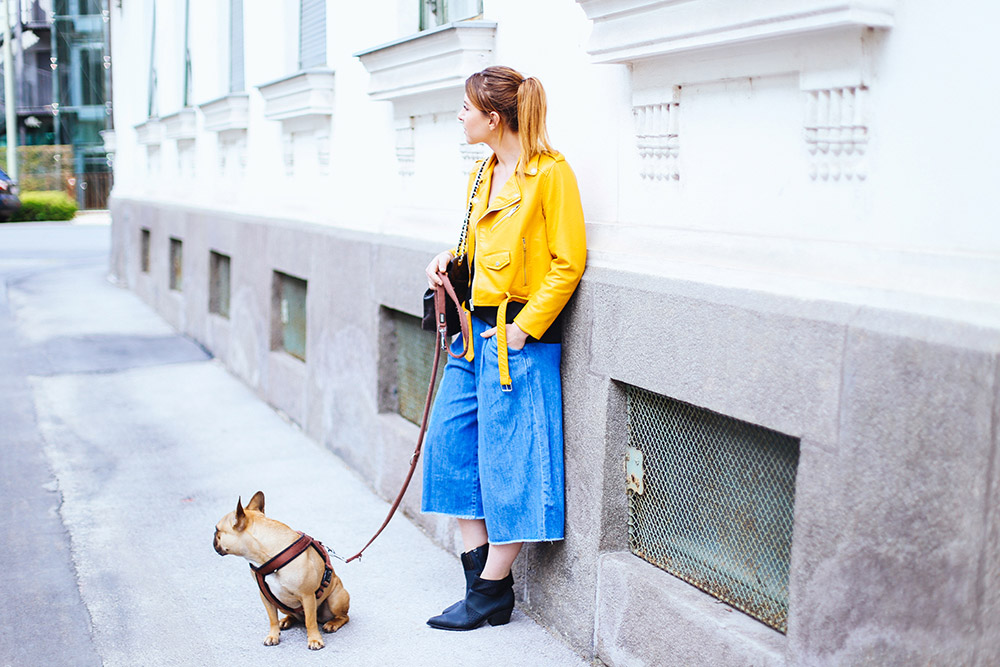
pixel 441 292
pixel 286 556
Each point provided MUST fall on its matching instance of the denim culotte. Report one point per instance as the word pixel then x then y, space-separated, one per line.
pixel 498 455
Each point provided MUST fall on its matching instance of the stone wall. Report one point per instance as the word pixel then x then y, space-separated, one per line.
pixel 896 527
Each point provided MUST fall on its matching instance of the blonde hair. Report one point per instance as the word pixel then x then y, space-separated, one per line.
pixel 520 103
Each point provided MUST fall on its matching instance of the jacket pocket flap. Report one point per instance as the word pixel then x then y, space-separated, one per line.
pixel 497 260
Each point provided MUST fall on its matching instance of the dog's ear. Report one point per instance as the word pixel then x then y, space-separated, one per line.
pixel 241 516
pixel 257 502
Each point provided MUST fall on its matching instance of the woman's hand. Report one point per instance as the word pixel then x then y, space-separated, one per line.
pixel 439 263
pixel 516 338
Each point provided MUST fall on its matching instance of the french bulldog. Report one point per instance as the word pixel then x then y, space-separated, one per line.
pixel 257 538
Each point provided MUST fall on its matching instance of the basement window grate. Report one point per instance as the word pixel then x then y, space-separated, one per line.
pixel 290 308
pixel 413 355
pixel 144 250
pixel 218 284
pixel 176 264
pixel 711 501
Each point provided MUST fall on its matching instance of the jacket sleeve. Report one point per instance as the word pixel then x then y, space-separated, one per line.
pixel 567 241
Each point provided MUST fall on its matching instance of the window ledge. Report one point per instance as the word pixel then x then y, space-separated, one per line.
pixel 428 70
pixel 229 112
pixel 149 132
pixel 179 125
pixel 303 94
pixel 630 30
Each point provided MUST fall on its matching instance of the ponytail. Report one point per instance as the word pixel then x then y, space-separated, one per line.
pixel 531 110
pixel 520 103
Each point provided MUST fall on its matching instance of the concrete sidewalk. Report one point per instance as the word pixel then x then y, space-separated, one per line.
pixel 148 442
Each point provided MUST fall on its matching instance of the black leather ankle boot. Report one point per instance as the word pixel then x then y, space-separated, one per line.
pixel 487 601
pixel 473 563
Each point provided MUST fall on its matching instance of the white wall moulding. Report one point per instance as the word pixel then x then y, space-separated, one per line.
pixel 405 148
pixel 836 133
pixel 628 30
pixel 230 112
pixel 470 154
pixel 421 74
pixel 179 125
pixel 303 94
pixel 656 131
pixel 232 154
pixel 149 132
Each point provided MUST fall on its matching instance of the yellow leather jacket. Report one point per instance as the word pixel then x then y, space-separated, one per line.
pixel 529 245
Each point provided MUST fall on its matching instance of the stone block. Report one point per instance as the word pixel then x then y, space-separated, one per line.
pixel 988 650
pixel 646 616
pixel 742 355
pixel 902 491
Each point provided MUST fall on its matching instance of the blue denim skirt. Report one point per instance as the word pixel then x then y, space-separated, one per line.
pixel 495 455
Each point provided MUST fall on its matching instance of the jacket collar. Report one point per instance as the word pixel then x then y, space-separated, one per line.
pixel 510 193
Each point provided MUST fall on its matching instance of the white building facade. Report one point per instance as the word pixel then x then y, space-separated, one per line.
pixel 782 367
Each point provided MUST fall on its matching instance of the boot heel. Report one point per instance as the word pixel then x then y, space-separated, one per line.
pixel 500 618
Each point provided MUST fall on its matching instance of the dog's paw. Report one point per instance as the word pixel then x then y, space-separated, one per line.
pixel 316 644
pixel 272 640
pixel 334 625
pixel 287 622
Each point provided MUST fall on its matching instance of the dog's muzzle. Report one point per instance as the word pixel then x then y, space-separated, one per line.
pixel 218 547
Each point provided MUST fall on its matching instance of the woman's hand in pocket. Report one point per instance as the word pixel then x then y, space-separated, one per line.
pixel 516 338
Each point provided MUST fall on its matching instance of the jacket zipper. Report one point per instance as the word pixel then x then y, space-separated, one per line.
pixel 524 259
pixel 504 217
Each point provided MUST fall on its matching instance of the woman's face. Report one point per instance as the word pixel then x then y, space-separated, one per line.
pixel 476 123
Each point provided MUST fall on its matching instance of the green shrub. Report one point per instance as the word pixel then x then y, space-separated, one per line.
pixel 45 205
pixel 42 167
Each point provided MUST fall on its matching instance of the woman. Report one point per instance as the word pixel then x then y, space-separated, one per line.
pixel 494 453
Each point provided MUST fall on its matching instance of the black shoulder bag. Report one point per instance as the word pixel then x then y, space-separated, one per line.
pixel 458 273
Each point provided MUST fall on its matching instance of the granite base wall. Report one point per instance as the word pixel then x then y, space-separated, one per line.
pixel 894 555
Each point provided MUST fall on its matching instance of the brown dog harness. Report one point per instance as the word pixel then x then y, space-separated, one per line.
pixel 290 553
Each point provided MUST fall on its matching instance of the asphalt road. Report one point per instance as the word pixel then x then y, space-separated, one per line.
pixel 123 443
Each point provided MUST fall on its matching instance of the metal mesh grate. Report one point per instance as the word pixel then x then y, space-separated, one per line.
pixel 414 362
pixel 292 294
pixel 711 500
pixel 219 284
pixel 176 264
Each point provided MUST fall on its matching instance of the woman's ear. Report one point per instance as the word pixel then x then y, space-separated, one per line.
pixel 494 120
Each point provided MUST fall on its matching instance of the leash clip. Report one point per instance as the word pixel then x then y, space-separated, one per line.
pixel 333 553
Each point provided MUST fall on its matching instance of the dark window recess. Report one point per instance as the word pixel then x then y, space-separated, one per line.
pixel 312 33
pixel 711 500
pixel 290 309
pixel 176 264
pixel 144 250
pixel 218 285
pixel 236 75
pixel 434 13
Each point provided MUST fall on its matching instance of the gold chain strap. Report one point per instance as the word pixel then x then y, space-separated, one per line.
pixel 460 250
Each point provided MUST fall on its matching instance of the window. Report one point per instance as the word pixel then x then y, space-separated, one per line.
pixel 711 501
pixel 144 250
pixel 312 33
pixel 176 264
pixel 218 285
pixel 236 74
pixel 438 12
pixel 407 365
pixel 290 308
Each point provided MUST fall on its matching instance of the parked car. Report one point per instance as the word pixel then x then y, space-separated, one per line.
pixel 8 197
